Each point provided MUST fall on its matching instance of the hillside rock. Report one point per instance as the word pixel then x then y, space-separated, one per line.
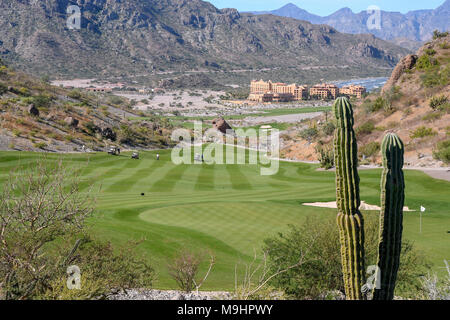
pixel 32 110
pixel 407 63
pixel 221 125
pixel 71 121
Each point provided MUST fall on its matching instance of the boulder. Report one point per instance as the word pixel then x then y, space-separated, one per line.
pixel 32 110
pixel 71 121
pixel 221 125
pixel 407 63
pixel 109 133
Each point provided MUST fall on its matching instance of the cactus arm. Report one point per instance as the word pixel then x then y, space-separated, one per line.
pixel 350 220
pixel 391 216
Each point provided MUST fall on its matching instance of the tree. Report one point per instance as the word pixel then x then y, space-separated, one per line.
pixel 37 206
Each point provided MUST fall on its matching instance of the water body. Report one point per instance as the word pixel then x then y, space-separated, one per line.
pixel 370 83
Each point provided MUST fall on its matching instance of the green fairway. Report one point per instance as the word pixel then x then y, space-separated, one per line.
pixel 228 209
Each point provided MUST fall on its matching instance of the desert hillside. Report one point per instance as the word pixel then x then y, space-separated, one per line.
pixel 35 116
pixel 414 103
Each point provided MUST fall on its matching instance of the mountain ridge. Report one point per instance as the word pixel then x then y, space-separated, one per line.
pixel 118 38
pixel 416 26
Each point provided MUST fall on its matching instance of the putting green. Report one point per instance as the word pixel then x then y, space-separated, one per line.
pixel 227 209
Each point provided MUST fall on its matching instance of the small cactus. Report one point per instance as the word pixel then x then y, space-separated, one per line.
pixel 391 216
pixel 350 220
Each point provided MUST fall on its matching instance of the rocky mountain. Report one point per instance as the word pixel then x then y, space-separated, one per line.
pixel 139 37
pixel 410 28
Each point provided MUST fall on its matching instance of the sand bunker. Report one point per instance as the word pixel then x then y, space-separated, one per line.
pixel 364 206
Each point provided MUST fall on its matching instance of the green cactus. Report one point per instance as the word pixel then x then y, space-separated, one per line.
pixel 350 220
pixel 391 216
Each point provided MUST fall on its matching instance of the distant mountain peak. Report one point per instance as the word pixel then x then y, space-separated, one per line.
pixel 444 6
pixel 345 10
pixel 415 26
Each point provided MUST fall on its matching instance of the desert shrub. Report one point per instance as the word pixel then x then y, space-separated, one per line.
pixel 37 206
pixel 432 116
pixel 444 45
pixel 425 62
pixel 437 101
pixel 74 94
pixel 3 89
pixel 116 100
pixel 434 288
pixel 318 240
pixel 437 34
pixel 309 133
pixel 41 101
pixel 69 138
pixel 366 128
pixel 422 132
pixel 390 96
pixel 40 145
pixel 430 52
pixel 430 79
pixel 184 269
pixel 328 128
pixel 326 156
pixel 90 127
pixel 442 151
pixel 435 77
pixel 370 149
pixel 378 104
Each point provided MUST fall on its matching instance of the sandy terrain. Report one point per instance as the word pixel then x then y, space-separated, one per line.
pixel 288 118
pixel 172 99
pixel 364 206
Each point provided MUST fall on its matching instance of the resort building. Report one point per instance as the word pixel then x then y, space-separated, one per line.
pixel 262 91
pixel 324 91
pixel 353 90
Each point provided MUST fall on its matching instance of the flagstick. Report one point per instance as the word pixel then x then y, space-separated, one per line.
pixel 421 221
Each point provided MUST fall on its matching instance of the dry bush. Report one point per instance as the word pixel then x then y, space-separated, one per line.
pixel 185 267
pixel 37 206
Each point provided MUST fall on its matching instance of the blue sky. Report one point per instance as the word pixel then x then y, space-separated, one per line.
pixel 325 7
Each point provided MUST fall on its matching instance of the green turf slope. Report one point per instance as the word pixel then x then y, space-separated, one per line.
pixel 227 209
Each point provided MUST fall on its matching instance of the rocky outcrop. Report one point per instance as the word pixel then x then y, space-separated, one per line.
pixel 407 63
pixel 71 121
pixel 32 110
pixel 221 125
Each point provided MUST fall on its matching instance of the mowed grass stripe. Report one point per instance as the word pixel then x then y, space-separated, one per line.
pixel 238 180
pixel 205 178
pixel 104 175
pixel 170 179
pixel 140 177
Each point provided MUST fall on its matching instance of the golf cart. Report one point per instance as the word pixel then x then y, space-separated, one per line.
pixel 114 151
pixel 135 155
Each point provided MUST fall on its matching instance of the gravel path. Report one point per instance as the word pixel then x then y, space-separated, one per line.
pixel 135 294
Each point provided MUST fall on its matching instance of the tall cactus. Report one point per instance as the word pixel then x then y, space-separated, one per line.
pixel 391 216
pixel 350 220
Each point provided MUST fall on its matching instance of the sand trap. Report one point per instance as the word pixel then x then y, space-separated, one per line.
pixel 364 206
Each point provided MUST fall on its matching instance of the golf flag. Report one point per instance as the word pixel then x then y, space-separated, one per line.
pixel 422 209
